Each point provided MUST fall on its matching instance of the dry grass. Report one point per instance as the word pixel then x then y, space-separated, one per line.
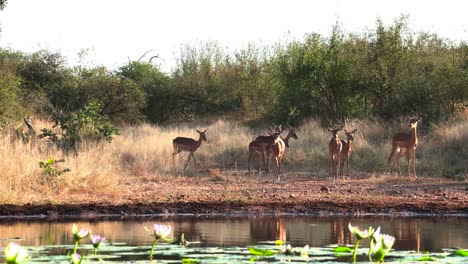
pixel 143 153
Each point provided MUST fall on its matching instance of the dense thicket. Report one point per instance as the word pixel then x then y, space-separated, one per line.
pixel 386 72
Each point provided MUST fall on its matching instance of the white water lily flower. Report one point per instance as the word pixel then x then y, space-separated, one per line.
pixel 79 234
pixel 76 259
pixel 305 251
pixel 15 254
pixel 381 245
pixel 286 249
pixel 360 234
pixel 161 231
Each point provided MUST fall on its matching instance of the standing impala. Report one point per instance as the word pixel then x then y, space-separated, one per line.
pixel 346 151
pixel 276 151
pixel 334 149
pixel 407 143
pixel 260 146
pixel 187 145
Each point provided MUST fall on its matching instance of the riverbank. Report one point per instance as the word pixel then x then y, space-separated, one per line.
pixel 233 192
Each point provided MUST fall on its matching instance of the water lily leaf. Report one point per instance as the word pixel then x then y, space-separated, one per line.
pixel 427 258
pixel 462 253
pixel 190 261
pixel 343 249
pixel 279 242
pixel 261 252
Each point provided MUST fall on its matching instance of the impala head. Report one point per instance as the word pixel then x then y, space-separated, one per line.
pixel 202 134
pixel 292 132
pixel 350 134
pixel 413 122
pixel 335 131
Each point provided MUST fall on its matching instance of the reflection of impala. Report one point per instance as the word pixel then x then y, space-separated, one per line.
pixel 276 151
pixel 183 144
pixel 346 151
pixel 334 149
pixel 407 143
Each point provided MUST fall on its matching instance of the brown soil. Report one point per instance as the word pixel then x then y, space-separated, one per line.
pixel 238 192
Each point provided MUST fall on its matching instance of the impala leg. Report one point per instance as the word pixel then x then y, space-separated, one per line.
pixel 176 151
pixel 339 164
pixel 398 160
pixel 277 167
pixel 194 162
pixel 331 166
pixel 347 166
pixel 281 165
pixel 187 161
pixel 408 157
pixel 389 162
pixel 249 160
pixel 413 156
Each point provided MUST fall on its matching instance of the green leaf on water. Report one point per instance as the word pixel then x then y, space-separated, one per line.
pixel 427 258
pixel 342 249
pixel 261 252
pixel 462 253
pixel 190 261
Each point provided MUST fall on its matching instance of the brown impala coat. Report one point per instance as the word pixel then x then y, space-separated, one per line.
pixel 334 149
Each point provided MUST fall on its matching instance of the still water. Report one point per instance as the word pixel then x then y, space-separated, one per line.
pixel 412 233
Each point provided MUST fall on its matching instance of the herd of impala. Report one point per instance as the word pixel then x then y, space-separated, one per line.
pixel 273 146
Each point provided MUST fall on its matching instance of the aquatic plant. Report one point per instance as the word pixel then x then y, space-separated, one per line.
pixel 96 240
pixel 78 235
pixel 380 245
pixel 15 254
pixel 159 232
pixel 359 235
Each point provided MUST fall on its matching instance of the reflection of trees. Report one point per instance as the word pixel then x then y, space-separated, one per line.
pixel 339 233
pixel 420 234
pixel 407 233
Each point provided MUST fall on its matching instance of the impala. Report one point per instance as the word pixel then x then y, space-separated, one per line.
pixel 276 151
pixel 334 149
pixel 346 151
pixel 406 143
pixel 183 144
pixel 261 144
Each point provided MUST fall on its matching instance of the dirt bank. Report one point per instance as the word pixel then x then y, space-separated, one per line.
pixel 236 192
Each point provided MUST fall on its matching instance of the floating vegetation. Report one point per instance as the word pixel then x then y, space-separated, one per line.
pixel 166 250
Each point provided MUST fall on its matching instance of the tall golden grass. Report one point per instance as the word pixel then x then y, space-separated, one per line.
pixel 145 151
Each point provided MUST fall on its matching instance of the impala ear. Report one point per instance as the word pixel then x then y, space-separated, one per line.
pixel 354 131
pixel 205 130
pixel 198 131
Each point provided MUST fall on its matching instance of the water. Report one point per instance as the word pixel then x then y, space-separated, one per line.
pixel 419 234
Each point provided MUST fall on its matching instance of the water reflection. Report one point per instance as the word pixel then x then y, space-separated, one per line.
pixel 421 234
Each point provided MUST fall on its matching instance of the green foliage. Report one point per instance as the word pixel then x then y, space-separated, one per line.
pixel 86 124
pixel 120 98
pixel 49 169
pixel 383 73
pixel 154 84
pixel 10 98
pixel 3 4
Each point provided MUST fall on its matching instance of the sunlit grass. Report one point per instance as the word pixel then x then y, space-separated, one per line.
pixel 145 151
